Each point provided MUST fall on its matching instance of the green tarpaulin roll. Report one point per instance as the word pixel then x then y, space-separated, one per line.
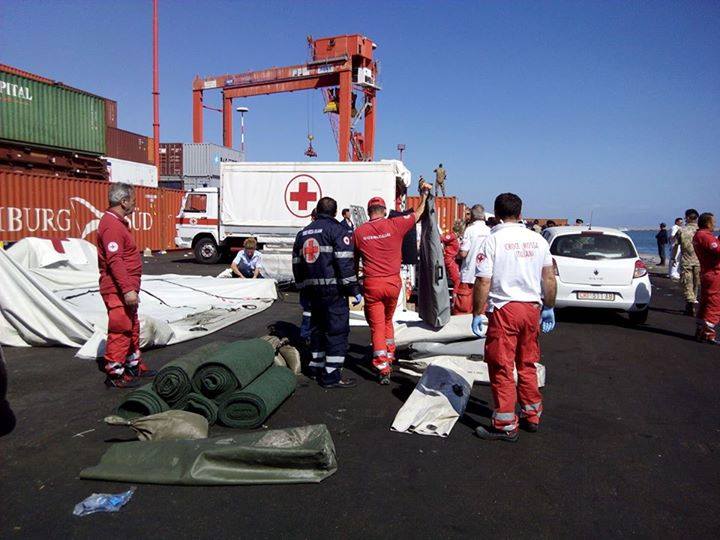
pixel 174 381
pixel 199 404
pixel 250 407
pixel 232 367
pixel 141 402
pixel 282 456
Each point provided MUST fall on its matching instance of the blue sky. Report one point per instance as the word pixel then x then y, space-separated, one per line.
pixel 610 107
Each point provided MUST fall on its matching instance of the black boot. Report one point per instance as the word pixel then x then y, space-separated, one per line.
pixel 492 434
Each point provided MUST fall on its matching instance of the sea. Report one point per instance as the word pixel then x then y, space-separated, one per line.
pixel 644 240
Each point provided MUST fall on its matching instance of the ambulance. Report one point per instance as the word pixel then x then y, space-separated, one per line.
pixel 273 201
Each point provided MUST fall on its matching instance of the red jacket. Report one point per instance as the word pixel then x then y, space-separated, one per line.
pixel 452 245
pixel 119 259
pixel 707 249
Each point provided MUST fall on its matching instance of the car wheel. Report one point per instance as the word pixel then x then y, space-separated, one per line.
pixel 206 251
pixel 639 317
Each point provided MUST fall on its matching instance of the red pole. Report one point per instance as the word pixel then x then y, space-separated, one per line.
pixel 344 105
pixel 156 89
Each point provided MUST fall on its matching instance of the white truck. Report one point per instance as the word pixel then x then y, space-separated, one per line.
pixel 273 201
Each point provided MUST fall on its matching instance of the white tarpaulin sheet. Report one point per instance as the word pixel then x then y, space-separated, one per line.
pixel 50 296
pixel 442 393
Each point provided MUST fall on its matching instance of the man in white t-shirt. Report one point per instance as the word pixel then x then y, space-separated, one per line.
pixel 515 277
pixel 472 240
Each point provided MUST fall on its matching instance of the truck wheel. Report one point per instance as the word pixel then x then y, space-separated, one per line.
pixel 638 317
pixel 206 251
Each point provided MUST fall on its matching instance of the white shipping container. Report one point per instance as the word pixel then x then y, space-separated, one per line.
pixel 131 172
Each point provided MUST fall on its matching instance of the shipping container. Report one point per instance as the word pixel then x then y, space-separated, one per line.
pixel 195 182
pixel 50 115
pixel 462 210
pixel 171 159
pixel 47 207
pixel 126 145
pixel 204 159
pixel 170 182
pixel 131 172
pixel 445 208
pixel 110 113
pixel 151 151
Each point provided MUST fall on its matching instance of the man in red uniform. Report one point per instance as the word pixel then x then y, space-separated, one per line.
pixel 707 249
pixel 451 248
pixel 379 242
pixel 120 268
pixel 515 277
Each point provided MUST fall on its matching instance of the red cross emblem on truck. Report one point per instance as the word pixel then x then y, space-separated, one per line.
pixel 311 250
pixel 301 195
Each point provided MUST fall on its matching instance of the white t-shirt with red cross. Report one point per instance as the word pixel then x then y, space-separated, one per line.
pixel 513 257
pixel 472 241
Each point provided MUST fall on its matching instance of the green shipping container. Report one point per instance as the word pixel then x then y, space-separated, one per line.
pixel 50 115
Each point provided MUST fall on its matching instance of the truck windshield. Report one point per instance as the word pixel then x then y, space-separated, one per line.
pixel 195 203
pixel 593 247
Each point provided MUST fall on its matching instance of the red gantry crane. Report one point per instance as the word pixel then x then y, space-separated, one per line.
pixel 342 65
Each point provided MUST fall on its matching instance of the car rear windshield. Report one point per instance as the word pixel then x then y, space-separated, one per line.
pixel 593 247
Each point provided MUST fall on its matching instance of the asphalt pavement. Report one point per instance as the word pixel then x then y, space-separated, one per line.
pixel 629 445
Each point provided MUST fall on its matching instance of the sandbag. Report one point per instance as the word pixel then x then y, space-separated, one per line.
pixel 141 402
pixel 433 296
pixel 249 408
pixel 165 426
pixel 292 358
pixel 283 456
pixel 473 349
pixel 232 367
pixel 199 404
pixel 174 381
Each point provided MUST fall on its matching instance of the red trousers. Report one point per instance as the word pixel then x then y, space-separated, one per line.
pixel 463 299
pixel 512 342
pixel 122 348
pixel 453 271
pixel 709 312
pixel 381 297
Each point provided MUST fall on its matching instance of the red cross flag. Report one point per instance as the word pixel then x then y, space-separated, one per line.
pixel 301 195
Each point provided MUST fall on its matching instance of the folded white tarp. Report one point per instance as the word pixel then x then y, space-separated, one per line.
pixel 49 296
pixel 438 400
pixel 457 329
pixel 442 393
pixel 477 368
pixel 473 349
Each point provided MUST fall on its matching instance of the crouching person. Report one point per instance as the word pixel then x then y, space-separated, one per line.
pixel 120 267
pixel 247 262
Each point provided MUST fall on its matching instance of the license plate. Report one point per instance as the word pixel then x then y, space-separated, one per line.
pixel 607 296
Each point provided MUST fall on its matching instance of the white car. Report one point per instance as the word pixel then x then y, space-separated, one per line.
pixel 599 268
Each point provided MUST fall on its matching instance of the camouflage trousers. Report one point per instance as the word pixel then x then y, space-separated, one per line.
pixel 690 281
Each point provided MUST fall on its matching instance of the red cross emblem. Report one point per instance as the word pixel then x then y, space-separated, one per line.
pixel 311 250
pixel 301 194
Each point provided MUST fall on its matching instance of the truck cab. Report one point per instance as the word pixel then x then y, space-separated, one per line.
pixel 198 224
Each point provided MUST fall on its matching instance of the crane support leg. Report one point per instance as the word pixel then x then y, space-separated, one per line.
pixel 369 133
pixel 227 121
pixel 197 116
pixel 344 108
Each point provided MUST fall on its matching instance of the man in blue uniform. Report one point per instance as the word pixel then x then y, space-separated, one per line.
pixel 324 271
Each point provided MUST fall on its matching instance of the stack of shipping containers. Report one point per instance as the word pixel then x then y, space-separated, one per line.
pixel 193 165
pixel 59 146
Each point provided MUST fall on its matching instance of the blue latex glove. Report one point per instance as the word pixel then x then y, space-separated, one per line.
pixel 547 319
pixel 357 300
pixel 479 325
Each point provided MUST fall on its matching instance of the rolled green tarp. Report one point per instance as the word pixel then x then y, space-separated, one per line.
pixel 199 404
pixel 250 407
pixel 232 367
pixel 141 402
pixel 281 456
pixel 174 381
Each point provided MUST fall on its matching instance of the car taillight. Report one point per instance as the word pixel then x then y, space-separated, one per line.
pixel 555 268
pixel 640 269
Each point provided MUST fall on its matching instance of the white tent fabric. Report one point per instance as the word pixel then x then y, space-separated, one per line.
pixel 50 297
pixel 442 393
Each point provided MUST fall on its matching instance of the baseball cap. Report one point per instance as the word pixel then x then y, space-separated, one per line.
pixel 377 201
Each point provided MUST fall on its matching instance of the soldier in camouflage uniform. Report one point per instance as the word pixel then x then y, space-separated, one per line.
pixel 690 273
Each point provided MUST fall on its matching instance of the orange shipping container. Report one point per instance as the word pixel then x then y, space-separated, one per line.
pixel 445 208
pixel 59 207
